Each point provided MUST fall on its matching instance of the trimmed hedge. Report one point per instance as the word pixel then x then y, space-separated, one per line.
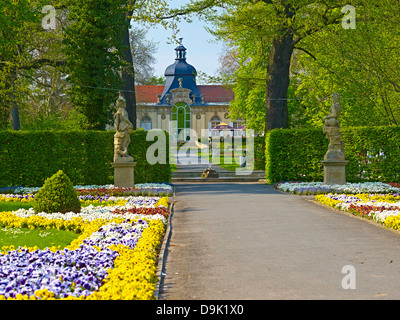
pixel 28 158
pixel 296 154
pixel 259 153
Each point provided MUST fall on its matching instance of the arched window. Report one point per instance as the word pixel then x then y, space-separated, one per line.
pixel 215 121
pixel 181 122
pixel 145 124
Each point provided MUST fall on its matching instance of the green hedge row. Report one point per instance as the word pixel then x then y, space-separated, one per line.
pixel 259 153
pixel 28 158
pixel 296 154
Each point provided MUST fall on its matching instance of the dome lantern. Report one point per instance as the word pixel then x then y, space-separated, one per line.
pixel 180 51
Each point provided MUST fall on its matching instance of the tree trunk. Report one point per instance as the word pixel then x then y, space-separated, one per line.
pixel 128 76
pixel 15 123
pixel 14 114
pixel 278 82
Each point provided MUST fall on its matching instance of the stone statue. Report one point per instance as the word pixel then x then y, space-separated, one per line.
pixel 124 129
pixel 331 129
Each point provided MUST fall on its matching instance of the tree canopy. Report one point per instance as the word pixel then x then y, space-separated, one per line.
pixel 291 55
pixel 361 64
pixel 283 59
pixel 81 64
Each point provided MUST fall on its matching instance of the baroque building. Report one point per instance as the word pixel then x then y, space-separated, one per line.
pixel 181 104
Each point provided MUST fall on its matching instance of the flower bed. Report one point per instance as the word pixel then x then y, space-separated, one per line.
pixel 114 256
pixel 140 189
pixel 312 188
pixel 383 209
pixel 377 201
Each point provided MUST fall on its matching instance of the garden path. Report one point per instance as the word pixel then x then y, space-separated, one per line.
pixel 249 241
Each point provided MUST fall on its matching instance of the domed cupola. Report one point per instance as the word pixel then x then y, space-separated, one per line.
pixel 180 67
pixel 180 75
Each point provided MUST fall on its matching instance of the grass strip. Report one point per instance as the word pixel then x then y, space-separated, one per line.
pixel 42 238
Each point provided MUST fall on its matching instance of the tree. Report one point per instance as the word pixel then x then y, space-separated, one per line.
pixel 93 51
pixel 245 73
pixel 147 12
pixel 361 64
pixel 229 61
pixel 46 104
pixel 143 51
pixel 281 25
pixel 25 46
pixel 18 20
pixel 245 62
pixel 303 53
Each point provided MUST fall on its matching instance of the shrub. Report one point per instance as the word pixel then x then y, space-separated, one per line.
pixel 296 154
pixel 57 195
pixel 27 158
pixel 259 153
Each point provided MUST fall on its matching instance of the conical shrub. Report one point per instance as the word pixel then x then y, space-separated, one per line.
pixel 57 195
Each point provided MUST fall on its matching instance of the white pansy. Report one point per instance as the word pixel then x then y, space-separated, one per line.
pixel 145 186
pixel 380 216
pixel 89 213
pixel 318 187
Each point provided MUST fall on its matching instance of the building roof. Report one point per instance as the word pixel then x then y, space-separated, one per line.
pixel 183 75
pixel 212 93
pixel 180 74
pixel 180 66
pixel 148 94
pixel 216 93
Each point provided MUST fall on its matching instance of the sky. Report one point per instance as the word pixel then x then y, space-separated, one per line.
pixel 202 52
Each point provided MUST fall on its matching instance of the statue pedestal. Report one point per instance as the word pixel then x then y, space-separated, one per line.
pixel 124 174
pixel 334 172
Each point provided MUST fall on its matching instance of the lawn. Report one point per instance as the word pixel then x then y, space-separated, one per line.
pixel 172 162
pixel 42 238
pixel 226 160
pixel 11 206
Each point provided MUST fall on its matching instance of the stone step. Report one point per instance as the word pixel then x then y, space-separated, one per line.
pixel 199 179
pixel 224 176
